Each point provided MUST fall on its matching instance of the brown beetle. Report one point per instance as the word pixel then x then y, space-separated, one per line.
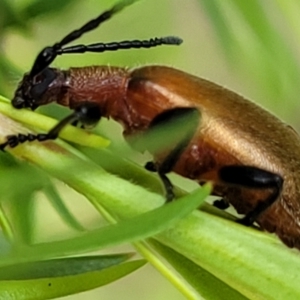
pixel 228 140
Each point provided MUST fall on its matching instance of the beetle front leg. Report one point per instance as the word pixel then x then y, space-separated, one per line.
pixel 14 140
pixel 86 114
pixel 256 178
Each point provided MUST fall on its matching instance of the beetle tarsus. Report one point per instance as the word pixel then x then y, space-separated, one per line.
pixel 168 187
pixel 14 140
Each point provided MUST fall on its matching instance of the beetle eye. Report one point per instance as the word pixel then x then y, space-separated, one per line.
pixel 41 83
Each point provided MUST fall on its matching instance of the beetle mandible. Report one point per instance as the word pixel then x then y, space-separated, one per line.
pixel 229 140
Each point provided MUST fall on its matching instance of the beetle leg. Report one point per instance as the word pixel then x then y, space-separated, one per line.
pixel 221 204
pixel 75 123
pixel 171 131
pixel 151 166
pixel 252 177
pixel 86 114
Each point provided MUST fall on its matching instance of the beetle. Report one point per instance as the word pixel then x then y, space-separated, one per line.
pixel 252 157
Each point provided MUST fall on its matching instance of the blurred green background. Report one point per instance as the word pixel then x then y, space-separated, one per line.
pixel 250 47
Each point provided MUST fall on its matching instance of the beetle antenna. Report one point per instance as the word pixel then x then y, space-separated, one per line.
pixel 113 46
pixel 48 54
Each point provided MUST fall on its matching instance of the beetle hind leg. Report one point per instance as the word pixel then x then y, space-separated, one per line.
pixel 253 178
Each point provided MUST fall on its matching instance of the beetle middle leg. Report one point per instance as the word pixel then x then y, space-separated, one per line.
pixel 86 114
pixel 168 134
pixel 221 204
pixel 255 178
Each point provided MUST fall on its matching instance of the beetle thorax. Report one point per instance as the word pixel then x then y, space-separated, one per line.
pixel 101 85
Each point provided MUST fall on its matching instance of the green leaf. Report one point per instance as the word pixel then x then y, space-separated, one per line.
pixel 251 262
pixel 248 34
pixel 58 204
pixel 5 245
pixel 208 286
pixel 60 267
pixel 134 229
pixel 223 31
pixel 52 287
pixel 9 16
pixel 12 208
pixel 8 73
pixel 40 7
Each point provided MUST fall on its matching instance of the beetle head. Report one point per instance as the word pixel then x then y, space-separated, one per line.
pixel 33 92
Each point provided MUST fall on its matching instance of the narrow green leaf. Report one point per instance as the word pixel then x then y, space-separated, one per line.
pixel 19 211
pixel 9 16
pixel 251 262
pixel 134 229
pixel 248 34
pixel 40 7
pixel 60 267
pixel 58 204
pixel 8 72
pixel 48 288
pixel 221 27
pixel 5 246
pixel 206 284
